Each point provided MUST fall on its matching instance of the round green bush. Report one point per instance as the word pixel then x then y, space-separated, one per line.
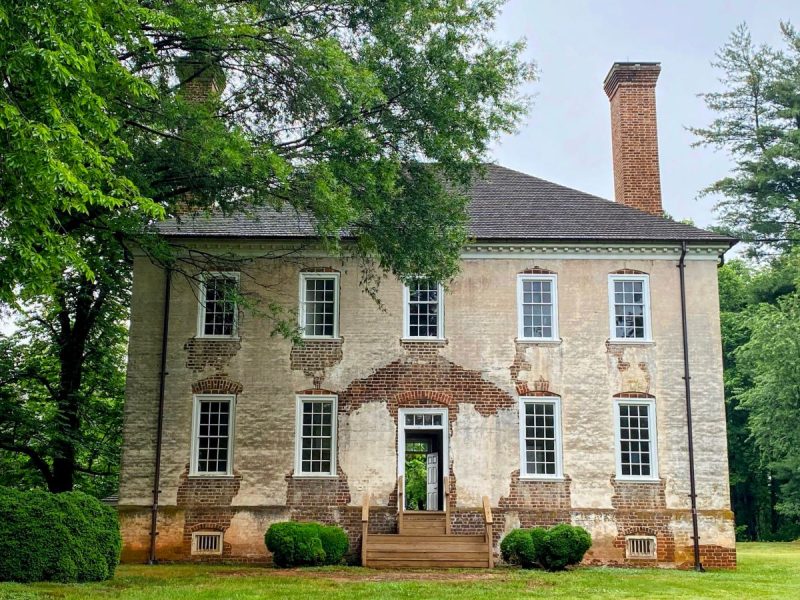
pixel 517 548
pixel 334 542
pixel 538 535
pixel 68 537
pixel 295 544
pixel 563 545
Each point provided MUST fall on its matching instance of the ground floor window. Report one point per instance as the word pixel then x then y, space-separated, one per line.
pixel 212 439
pixel 316 435
pixel 540 437
pixel 635 439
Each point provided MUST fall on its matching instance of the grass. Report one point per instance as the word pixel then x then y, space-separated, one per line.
pixel 765 571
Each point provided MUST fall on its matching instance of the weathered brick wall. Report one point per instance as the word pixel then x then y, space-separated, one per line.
pixel 631 90
pixel 477 373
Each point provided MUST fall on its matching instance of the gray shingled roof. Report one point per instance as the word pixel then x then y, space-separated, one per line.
pixel 504 205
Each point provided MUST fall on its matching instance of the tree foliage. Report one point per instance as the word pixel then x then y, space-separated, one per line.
pixel 758 124
pixel 116 113
pixel 761 386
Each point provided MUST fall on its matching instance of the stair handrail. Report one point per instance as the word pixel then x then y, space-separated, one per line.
pixel 447 527
pixel 400 504
pixel 488 522
pixel 365 527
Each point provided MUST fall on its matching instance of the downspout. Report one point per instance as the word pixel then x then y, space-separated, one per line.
pixel 160 423
pixel 687 382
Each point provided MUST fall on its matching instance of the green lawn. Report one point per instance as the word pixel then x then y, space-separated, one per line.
pixel 765 571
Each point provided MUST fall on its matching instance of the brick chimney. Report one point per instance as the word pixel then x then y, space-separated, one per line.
pixel 631 89
pixel 201 77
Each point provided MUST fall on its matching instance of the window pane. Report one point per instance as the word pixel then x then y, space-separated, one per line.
pixel 629 320
pixel 537 308
pixel 220 305
pixel 319 306
pixel 317 439
pixel 423 308
pixel 634 440
pixel 540 438
pixel 213 440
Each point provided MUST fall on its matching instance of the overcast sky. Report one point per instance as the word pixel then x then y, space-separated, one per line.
pixel 567 136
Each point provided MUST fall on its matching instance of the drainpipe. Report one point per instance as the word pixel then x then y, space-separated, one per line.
pixel 160 423
pixel 687 382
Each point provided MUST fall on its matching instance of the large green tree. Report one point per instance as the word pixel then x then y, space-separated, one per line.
pixel 116 113
pixel 758 123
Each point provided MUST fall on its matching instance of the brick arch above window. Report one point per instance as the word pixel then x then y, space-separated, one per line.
pixel 217 384
pixel 414 396
pixel 536 271
pixel 627 272
pixel 315 392
pixel 319 270
pixel 633 395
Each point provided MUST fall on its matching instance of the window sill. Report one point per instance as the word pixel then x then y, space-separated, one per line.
pixel 312 477
pixel 211 476
pixel 424 339
pixel 648 480
pixel 551 479
pixel 625 342
pixel 539 341
pixel 219 338
pixel 321 339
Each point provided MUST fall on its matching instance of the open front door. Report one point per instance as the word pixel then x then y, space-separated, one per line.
pixel 433 482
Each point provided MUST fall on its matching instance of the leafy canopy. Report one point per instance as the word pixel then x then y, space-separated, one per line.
pixel 758 123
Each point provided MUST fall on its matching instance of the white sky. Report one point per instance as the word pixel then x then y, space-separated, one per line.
pixel 567 136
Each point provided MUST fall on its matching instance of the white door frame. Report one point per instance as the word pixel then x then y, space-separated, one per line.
pixel 444 463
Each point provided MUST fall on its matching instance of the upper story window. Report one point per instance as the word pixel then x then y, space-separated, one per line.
pixel 218 316
pixel 316 436
pixel 636 438
pixel 629 307
pixel 423 309
pixel 540 437
pixel 537 307
pixel 319 305
pixel 212 434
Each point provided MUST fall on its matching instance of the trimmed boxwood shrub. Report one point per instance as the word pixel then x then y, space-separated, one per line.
pixel 68 537
pixel 334 542
pixel 563 545
pixel 517 548
pixel 304 544
pixel 554 549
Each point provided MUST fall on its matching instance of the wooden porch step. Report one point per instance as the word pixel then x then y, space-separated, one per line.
pixel 432 550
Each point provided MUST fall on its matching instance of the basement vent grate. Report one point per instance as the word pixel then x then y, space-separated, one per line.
pixel 640 547
pixel 207 542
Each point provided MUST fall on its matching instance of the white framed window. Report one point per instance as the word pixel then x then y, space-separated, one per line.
pixel 537 307
pixel 635 426
pixel 319 305
pixel 540 437
pixel 207 542
pixel 423 310
pixel 218 312
pixel 212 434
pixel 315 451
pixel 629 308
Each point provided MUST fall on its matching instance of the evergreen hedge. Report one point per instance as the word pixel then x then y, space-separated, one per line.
pixel 553 549
pixel 68 537
pixel 305 544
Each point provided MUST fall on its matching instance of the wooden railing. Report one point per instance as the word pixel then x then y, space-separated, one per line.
pixel 400 504
pixel 365 527
pixel 447 526
pixel 488 521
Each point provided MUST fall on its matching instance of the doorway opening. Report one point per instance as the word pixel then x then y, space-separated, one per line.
pixel 422 458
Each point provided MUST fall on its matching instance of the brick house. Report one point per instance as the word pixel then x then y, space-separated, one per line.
pixel 546 384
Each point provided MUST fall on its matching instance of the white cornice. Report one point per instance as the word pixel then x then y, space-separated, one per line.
pixel 478 251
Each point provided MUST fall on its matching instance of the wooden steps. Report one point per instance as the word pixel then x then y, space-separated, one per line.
pixel 425 543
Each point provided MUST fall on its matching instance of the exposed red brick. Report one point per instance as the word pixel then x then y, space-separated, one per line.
pixel 217 384
pixel 631 89
pixel 204 353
